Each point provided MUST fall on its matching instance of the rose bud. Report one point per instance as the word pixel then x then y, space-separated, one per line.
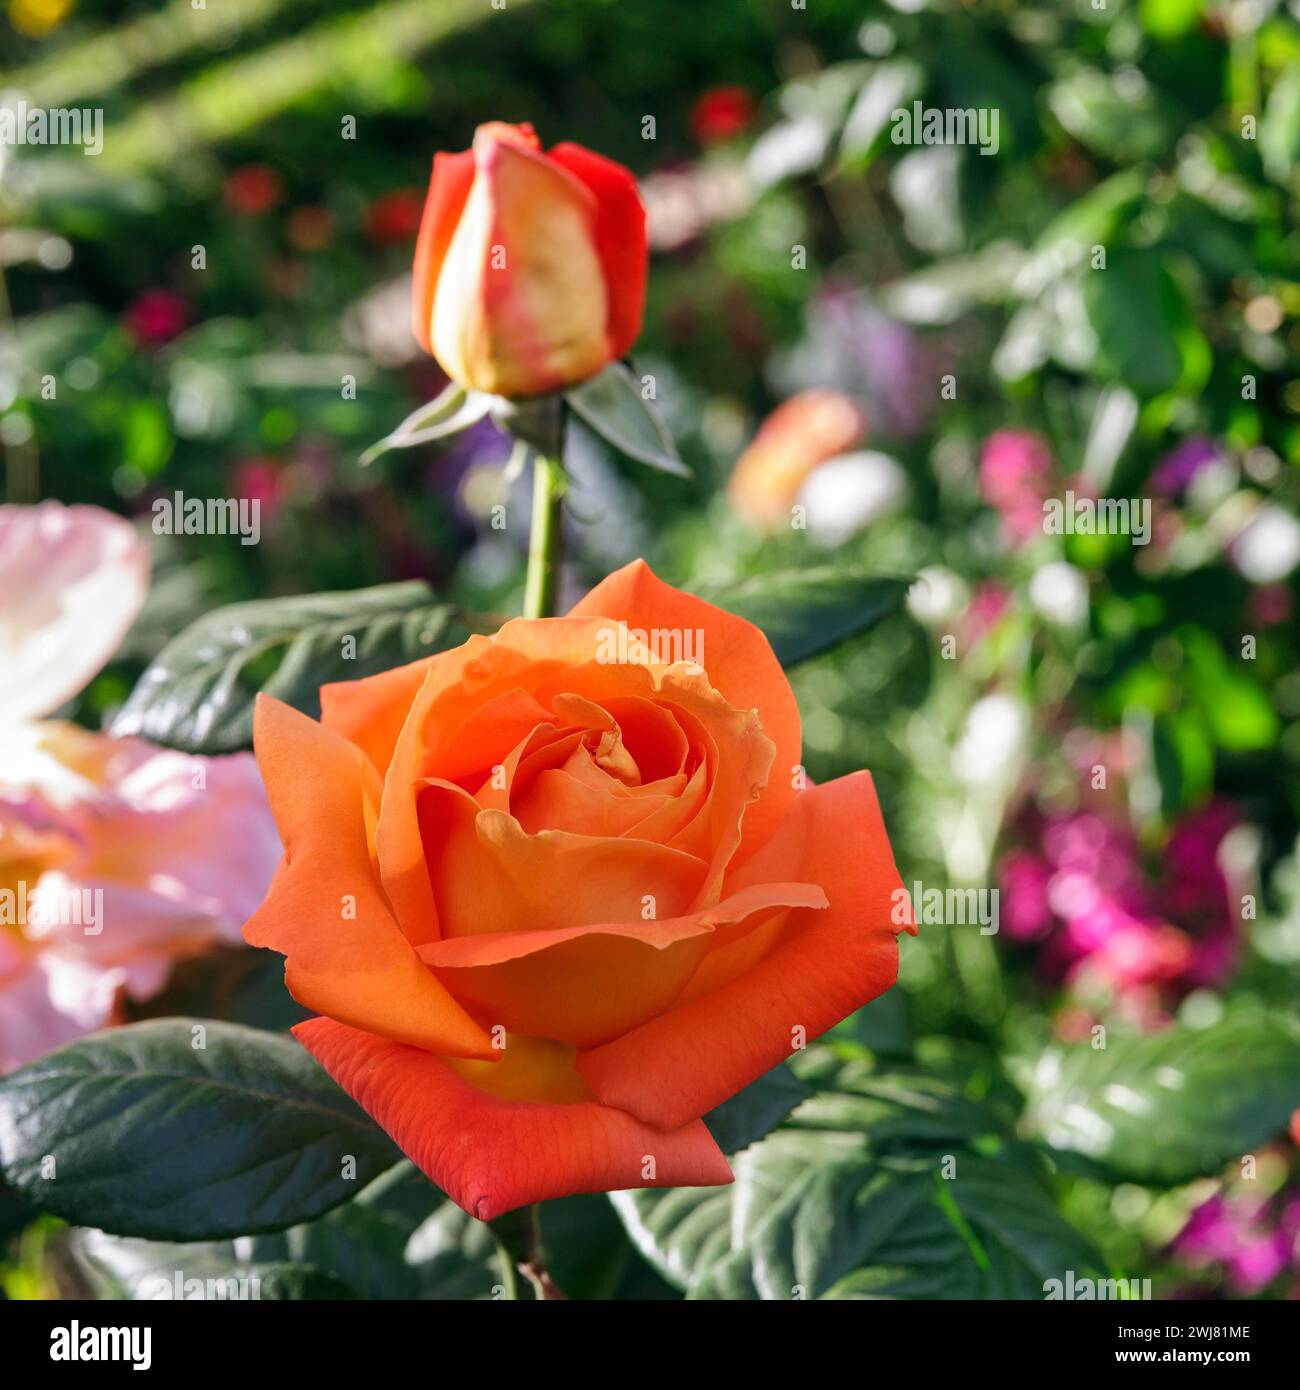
pixel 530 266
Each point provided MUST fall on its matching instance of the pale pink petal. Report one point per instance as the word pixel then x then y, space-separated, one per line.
pixel 52 1001
pixel 73 580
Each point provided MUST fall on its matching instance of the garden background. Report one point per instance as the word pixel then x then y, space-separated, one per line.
pixel 1106 732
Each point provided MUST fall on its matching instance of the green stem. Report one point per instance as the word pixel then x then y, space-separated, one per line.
pixel 519 1239
pixel 546 541
pixel 509 1275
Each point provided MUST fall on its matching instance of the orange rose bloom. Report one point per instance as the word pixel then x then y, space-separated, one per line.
pixel 530 267
pixel 799 435
pixel 558 893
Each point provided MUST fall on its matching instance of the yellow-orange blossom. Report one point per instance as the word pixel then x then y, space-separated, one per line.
pixel 553 908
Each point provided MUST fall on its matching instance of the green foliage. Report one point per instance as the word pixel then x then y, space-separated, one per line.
pixel 198 693
pixel 751 1113
pixel 613 404
pixel 804 612
pixel 884 1184
pixel 180 1130
pixel 1120 277
pixel 1172 1106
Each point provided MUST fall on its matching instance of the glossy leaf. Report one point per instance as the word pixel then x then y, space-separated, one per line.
pixel 806 611
pixel 1170 1106
pixel 755 1111
pixel 140 1132
pixel 880 1185
pixel 612 406
pixel 198 693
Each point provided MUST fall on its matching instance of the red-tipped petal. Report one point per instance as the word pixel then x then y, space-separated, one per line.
pixel 491 1153
pixel 449 186
pixel 620 238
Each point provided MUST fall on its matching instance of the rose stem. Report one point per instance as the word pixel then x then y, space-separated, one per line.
pixel 546 542
pixel 519 1237
pixel 518 1233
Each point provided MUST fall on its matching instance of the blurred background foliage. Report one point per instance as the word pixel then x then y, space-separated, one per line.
pixel 1109 306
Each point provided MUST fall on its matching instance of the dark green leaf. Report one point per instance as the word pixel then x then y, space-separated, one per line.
pixel 806 611
pixel 755 1111
pixel 588 1254
pixel 120 1267
pixel 139 1132
pixel 15 1213
pixel 880 1185
pixel 400 1238
pixel 233 983
pixel 611 405
pixel 1170 1106
pixel 198 694
pixel 1146 336
pixel 883 1027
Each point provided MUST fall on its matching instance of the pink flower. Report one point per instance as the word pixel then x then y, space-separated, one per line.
pixel 1077 885
pixel 1210 1232
pixel 1258 1262
pixel 156 317
pixel 1026 912
pixel 73 580
pixel 1246 1235
pixel 983 613
pixel 261 480
pixel 1016 477
pixel 116 860
pixel 1127 953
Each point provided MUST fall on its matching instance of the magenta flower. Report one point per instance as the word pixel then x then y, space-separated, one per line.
pixel 1016 476
pixel 155 317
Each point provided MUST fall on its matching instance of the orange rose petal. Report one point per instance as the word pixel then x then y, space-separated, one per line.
pixel 475 743
pixel 823 966
pixel 732 954
pixel 585 985
pixel 492 949
pixel 741 666
pixel 371 712
pixel 359 969
pixel 657 740
pixel 736 779
pixel 489 875
pixel 583 991
pixel 397 834
pixel 557 800
pixel 490 1154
